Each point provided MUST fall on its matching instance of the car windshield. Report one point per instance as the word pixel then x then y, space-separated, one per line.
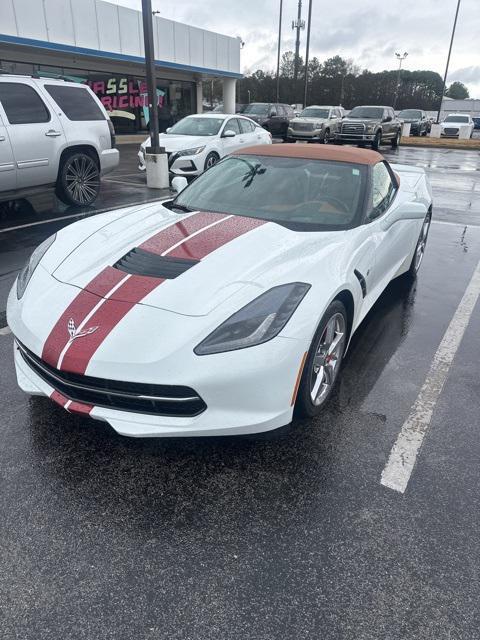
pixel 456 119
pixel 410 114
pixel 366 112
pixel 311 112
pixel 258 109
pixel 302 194
pixel 193 126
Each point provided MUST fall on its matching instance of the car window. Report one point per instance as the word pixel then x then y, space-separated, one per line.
pixel 232 125
pixel 22 104
pixel 257 108
pixel 279 109
pixel 75 102
pixel 383 188
pixel 366 112
pixel 197 126
pixel 246 126
pixel 300 193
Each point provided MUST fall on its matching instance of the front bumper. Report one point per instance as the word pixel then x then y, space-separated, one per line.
pixel 354 138
pixel 109 160
pixel 243 401
pixel 179 166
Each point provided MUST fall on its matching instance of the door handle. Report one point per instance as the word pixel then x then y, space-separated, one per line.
pixel 242 140
pixel 51 133
pixel 2 138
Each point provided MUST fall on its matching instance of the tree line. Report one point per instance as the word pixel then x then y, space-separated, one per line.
pixel 339 81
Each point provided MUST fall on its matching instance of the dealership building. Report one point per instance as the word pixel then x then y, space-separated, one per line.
pixel 101 44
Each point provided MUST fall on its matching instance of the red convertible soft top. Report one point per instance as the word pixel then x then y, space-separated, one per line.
pixel 314 152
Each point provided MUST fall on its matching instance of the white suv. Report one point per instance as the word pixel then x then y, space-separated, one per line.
pixel 53 134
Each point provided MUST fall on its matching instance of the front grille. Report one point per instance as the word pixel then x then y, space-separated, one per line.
pixel 450 131
pixel 136 397
pixel 353 127
pixel 144 263
pixel 302 126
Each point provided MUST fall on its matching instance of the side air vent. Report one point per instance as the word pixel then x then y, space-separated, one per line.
pixel 362 282
pixel 144 263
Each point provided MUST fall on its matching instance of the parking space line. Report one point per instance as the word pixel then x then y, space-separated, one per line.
pixel 403 455
pixel 5 331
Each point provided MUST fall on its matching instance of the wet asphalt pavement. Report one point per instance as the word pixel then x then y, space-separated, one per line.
pixel 288 537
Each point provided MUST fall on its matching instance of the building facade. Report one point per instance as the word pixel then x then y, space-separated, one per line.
pixel 101 44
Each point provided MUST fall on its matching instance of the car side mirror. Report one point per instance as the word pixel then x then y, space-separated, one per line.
pixel 405 211
pixel 168 129
pixel 179 183
pixel 387 119
pixel 229 134
pixel 273 113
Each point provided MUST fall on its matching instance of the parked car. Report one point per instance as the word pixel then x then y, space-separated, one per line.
pixel 476 122
pixel 420 125
pixel 450 127
pixel 273 117
pixel 197 142
pixel 370 125
pixel 239 107
pixel 53 134
pixel 316 124
pixel 228 309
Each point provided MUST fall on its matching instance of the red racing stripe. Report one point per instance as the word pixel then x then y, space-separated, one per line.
pixel 80 408
pixel 59 398
pixel 200 246
pixel 106 318
pixel 78 309
pixel 168 237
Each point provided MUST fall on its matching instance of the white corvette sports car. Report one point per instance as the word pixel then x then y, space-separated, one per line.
pixel 224 310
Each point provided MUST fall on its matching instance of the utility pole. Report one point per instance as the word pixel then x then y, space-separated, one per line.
pixel 307 51
pixel 400 57
pixel 155 157
pixel 448 61
pixel 297 25
pixel 278 51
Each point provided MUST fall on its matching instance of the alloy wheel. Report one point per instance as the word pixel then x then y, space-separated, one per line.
pixel 81 179
pixel 326 362
pixel 421 244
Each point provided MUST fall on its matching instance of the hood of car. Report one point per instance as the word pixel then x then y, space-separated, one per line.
pixel 174 143
pixel 361 120
pixel 314 121
pixel 190 263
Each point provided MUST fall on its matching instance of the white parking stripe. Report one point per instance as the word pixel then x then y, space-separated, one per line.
pixel 403 455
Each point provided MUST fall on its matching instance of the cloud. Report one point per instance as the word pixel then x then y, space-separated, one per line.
pixel 368 32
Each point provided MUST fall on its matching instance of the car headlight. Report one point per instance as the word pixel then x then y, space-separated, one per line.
pixel 26 273
pixel 370 128
pixel 190 152
pixel 257 322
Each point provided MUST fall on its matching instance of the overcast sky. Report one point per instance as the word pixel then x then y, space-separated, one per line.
pixel 368 31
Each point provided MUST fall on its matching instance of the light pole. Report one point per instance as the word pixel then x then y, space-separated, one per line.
pixel 400 57
pixel 278 52
pixel 448 61
pixel 151 77
pixel 297 25
pixel 307 51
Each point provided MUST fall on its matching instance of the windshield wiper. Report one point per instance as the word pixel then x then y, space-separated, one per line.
pixel 170 204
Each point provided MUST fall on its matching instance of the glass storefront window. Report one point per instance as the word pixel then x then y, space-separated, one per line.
pixel 124 96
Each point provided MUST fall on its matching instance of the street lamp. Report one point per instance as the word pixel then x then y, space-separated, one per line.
pixel 448 61
pixel 400 57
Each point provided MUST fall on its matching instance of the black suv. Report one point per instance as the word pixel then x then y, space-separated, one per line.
pixel 370 125
pixel 420 125
pixel 272 116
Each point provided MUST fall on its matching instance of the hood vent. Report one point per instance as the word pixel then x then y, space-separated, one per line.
pixel 144 263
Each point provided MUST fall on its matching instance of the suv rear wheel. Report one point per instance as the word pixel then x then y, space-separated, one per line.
pixel 78 181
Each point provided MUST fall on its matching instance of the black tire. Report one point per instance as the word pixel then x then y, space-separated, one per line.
pixel 211 160
pixel 420 247
pixel 326 137
pixel 305 407
pixel 395 141
pixel 78 181
pixel 285 134
pixel 377 141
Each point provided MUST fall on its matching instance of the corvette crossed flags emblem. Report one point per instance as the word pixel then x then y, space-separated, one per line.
pixel 77 333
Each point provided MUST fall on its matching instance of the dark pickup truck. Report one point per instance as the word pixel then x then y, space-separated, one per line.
pixel 370 125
